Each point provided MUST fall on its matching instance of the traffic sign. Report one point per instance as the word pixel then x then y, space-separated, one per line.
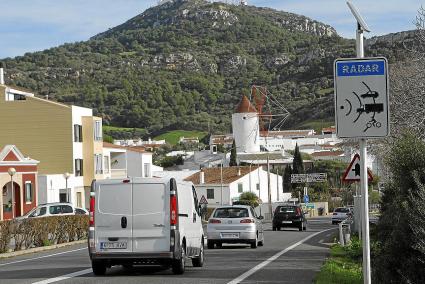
pixel 310 206
pixel 203 200
pixel 301 178
pixel 361 97
pixel 306 199
pixel 353 171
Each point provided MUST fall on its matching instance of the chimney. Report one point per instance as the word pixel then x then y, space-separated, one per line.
pixel 201 177
pixel 1 74
pixel 239 172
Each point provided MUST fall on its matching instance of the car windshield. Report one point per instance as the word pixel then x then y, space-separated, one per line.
pixel 342 210
pixel 287 209
pixel 235 212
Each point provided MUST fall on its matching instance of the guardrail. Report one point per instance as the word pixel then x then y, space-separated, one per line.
pixel 345 232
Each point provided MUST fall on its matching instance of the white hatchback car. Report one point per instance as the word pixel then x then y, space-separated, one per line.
pixel 235 224
pixel 54 209
pixel 340 214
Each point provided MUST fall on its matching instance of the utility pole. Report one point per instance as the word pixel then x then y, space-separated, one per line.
pixel 269 187
pixel 361 28
pixel 277 183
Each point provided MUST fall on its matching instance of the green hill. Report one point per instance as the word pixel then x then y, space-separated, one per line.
pixel 185 64
pixel 173 137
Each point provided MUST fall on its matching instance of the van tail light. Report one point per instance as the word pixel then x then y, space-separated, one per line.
pixel 173 210
pixel 245 221
pixel 299 211
pixel 91 213
pixel 214 221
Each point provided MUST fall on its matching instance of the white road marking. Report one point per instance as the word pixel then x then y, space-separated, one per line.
pixel 65 277
pixel 44 256
pixel 273 258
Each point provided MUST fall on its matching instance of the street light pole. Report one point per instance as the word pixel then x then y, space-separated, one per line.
pixel 12 172
pixel 66 176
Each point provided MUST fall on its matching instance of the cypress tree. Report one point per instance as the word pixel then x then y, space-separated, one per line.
pixel 297 163
pixel 287 179
pixel 233 161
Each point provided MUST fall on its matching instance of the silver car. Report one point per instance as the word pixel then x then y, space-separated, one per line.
pixel 340 214
pixel 235 224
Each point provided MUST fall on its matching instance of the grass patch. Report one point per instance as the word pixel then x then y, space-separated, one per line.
pixel 344 266
pixel 123 132
pixel 172 137
pixel 317 125
pixel 325 91
pixel 116 128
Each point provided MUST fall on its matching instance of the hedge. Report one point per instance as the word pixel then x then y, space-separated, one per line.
pixel 36 232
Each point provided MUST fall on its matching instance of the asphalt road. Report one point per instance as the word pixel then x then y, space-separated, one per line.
pixel 288 256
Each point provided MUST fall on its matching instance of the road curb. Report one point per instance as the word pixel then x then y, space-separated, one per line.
pixel 39 249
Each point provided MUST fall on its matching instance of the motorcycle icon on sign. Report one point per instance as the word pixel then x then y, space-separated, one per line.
pixel 366 108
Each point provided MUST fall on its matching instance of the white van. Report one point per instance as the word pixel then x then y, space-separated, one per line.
pixel 150 221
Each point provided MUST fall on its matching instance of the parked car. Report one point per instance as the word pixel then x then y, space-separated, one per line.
pixel 340 214
pixel 289 215
pixel 235 224
pixel 50 209
pixel 81 211
pixel 144 221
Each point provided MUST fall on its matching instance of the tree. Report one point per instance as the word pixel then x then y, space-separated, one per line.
pixel 248 198
pixel 401 227
pixel 297 164
pixel 233 159
pixel 287 179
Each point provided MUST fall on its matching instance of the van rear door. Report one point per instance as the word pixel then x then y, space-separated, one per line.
pixel 113 216
pixel 151 216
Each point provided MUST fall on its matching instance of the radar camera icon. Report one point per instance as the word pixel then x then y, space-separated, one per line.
pixel 371 108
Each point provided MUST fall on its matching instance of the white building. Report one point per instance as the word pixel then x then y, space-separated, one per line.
pixel 224 188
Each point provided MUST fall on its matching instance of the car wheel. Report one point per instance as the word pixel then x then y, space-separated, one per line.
pixel 98 267
pixel 305 228
pixel 210 244
pixel 199 260
pixel 254 243
pixel 178 265
pixel 278 228
pixel 300 228
pixel 261 243
pixel 274 228
pixel 219 245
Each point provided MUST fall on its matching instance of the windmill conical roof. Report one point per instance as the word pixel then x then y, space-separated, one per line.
pixel 245 106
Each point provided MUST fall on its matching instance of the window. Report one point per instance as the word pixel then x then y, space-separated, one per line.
pixel 66 209
pixel 210 193
pixel 258 186
pixel 147 168
pixel 98 164
pixel 195 200
pixel 233 212
pixel 97 130
pixel 106 164
pixel 28 192
pixel 79 211
pixel 78 133
pixel 38 212
pixel 79 199
pixel 56 209
pixel 240 187
pixel 78 167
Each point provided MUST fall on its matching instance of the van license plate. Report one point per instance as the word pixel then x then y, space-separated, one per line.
pixel 113 245
pixel 230 235
pixel 286 222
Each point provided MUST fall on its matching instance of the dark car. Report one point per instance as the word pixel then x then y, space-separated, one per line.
pixel 291 216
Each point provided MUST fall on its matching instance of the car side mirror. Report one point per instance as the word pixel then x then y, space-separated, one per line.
pixel 261 217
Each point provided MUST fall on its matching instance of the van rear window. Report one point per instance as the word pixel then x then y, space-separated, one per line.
pixel 114 199
pixel 234 212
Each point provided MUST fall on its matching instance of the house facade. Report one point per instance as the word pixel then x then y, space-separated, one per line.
pixel 226 185
pixel 18 180
pixel 67 139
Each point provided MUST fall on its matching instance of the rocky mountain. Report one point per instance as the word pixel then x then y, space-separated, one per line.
pixel 184 65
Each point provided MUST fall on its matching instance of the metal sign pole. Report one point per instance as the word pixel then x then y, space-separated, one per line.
pixel 363 180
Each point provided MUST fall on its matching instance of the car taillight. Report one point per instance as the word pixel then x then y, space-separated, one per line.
pixel 173 210
pixel 91 213
pixel 247 221
pixel 214 221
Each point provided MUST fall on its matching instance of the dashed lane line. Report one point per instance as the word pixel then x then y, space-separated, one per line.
pixel 273 258
pixel 65 277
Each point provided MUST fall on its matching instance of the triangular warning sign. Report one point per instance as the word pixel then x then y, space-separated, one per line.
pixel 203 200
pixel 353 171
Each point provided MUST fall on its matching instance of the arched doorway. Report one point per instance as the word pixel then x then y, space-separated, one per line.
pixel 7 200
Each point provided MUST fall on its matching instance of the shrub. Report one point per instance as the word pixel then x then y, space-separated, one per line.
pixel 38 232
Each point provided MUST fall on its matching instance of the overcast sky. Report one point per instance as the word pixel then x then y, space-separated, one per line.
pixel 31 25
